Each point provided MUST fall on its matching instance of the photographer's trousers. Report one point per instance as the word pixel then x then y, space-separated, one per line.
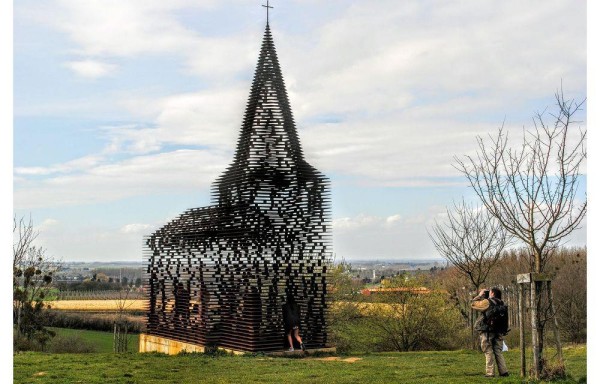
pixel 491 345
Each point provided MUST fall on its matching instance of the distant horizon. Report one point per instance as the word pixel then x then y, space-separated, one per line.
pixel 397 260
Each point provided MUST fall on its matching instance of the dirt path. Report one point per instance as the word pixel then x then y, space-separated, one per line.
pixel 336 358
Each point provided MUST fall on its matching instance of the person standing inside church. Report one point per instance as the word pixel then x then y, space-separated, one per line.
pixel 291 320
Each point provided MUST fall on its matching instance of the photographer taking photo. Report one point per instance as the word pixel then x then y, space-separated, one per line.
pixel 492 326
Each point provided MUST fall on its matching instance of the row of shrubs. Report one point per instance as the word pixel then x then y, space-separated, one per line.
pixel 90 285
pixel 56 344
pixel 91 321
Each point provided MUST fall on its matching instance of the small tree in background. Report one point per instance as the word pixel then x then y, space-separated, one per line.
pixel 32 277
pixel 344 312
pixel 571 294
pixel 471 240
pixel 457 285
pixel 121 323
pixel 532 191
pixel 412 319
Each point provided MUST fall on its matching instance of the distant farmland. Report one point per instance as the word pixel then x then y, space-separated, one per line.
pixel 98 305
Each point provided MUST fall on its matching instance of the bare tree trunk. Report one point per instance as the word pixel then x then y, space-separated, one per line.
pixel 515 302
pixel 19 318
pixel 555 323
pixel 534 331
pixel 473 333
pixel 115 340
pixel 522 330
pixel 126 339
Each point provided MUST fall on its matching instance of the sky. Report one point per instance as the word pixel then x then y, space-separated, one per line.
pixel 125 112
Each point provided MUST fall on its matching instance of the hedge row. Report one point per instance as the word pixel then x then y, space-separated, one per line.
pixel 91 321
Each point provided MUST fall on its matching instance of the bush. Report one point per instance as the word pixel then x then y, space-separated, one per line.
pixel 417 322
pixel 34 342
pixel 71 344
pixel 354 335
pixel 552 371
pixel 398 323
pixel 22 343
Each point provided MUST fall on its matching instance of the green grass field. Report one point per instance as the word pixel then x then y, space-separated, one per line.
pixel 412 367
pixel 103 341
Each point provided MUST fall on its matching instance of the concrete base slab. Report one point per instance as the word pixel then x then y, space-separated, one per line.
pixel 151 343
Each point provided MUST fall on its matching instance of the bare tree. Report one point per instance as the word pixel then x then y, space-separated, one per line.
pixel 457 285
pixel 532 189
pixel 570 289
pixel 471 239
pixel 32 276
pixel 121 323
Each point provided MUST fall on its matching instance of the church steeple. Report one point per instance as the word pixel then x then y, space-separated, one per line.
pixel 268 114
pixel 268 146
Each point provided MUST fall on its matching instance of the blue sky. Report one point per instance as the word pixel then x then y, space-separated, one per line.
pixel 125 112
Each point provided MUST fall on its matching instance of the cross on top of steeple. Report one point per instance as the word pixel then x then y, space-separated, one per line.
pixel 267 6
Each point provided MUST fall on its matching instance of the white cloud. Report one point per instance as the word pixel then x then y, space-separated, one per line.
pixel 347 223
pixel 436 47
pixel 392 219
pixel 90 68
pixel 47 224
pixel 107 29
pixel 180 170
pixel 392 152
pixel 409 84
pixel 412 84
pixel 363 221
pixel 32 171
pixel 92 242
pixel 366 236
pixel 120 28
pixel 76 165
pixel 209 119
pixel 137 228
pixel 384 237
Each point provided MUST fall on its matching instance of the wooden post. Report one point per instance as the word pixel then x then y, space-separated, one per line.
pixel 473 333
pixel 115 337
pixel 555 322
pixel 521 316
pixel 536 284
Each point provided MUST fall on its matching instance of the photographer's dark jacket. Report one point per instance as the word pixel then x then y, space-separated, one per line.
pixel 483 305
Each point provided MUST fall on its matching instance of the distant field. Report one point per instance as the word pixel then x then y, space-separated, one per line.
pixel 412 367
pixel 97 305
pixel 140 305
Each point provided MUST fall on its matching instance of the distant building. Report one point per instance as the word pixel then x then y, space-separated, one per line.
pixel 379 291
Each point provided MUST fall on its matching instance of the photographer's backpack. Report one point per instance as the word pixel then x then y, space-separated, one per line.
pixel 496 317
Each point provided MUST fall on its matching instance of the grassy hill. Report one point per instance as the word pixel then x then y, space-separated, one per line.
pixel 412 367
